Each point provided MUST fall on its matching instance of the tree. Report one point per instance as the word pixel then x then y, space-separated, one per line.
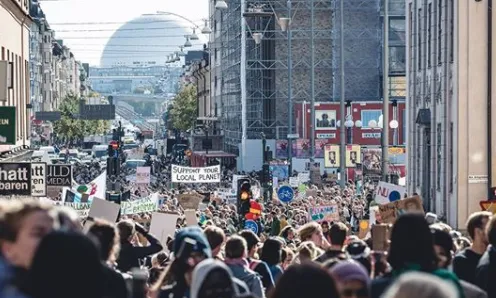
pixel 183 110
pixel 72 129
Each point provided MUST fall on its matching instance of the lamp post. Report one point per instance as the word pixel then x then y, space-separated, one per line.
pixel 342 147
pixel 380 125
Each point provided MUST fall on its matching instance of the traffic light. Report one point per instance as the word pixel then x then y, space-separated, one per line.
pixel 113 166
pixel 113 149
pixel 243 196
pixel 266 174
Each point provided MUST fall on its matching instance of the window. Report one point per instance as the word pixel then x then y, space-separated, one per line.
pixel 411 29
pixel 429 35
pixel 367 115
pixel 439 31
pixel 397 31
pixel 438 156
pixel 403 120
pixel 419 39
pixel 452 30
pixel 397 60
pixel 451 161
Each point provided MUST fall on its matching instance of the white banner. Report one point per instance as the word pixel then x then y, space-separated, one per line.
pixel 148 204
pixel 82 209
pixel 386 193
pixel 195 175
pixel 143 175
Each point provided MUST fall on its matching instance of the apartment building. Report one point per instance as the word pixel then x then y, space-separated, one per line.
pixel 14 48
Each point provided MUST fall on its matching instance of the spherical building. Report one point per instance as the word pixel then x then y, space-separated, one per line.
pixel 148 40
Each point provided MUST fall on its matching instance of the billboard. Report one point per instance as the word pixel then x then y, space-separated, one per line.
pixel 23 179
pixel 58 177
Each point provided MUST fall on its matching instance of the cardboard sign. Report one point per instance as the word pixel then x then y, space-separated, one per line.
pixel 390 212
pixel 148 204
pixel 143 175
pixel 190 216
pixel 163 225
pixel 387 193
pixel 380 237
pixel 328 213
pixel 104 210
pixel 196 175
pixel 189 200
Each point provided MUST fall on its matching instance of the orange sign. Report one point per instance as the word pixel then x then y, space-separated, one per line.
pixel 488 206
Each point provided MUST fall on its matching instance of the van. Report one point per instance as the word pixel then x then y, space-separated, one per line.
pixel 50 150
pixel 99 151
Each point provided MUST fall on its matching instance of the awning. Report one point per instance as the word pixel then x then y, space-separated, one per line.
pixel 21 153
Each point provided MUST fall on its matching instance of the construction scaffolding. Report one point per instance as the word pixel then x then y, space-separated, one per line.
pixel 266 62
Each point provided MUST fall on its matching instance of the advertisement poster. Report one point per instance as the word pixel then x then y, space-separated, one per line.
pixel 331 156
pixel 279 170
pixel 353 155
pixel 282 149
pixel 325 120
pixel 371 161
pixel 58 177
pixel 7 125
pixel 320 148
pixel 23 179
pixel 301 148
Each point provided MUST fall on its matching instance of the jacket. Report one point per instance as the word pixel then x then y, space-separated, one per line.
pixel 472 291
pixel 249 277
pixel 485 274
pixel 130 255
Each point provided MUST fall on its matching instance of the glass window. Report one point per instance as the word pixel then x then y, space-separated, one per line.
pixel 429 35
pixel 397 59
pixel 403 120
pixel 397 31
pixel 419 39
pixel 440 31
pixel 397 86
pixel 368 115
pixel 438 155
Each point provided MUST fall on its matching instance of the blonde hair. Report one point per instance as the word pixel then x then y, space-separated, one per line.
pixel 308 250
pixel 415 284
pixel 307 230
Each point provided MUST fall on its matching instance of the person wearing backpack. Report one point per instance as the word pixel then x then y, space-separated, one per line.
pixel 260 267
pixel 236 253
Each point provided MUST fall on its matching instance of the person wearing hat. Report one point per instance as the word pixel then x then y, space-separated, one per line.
pixel 352 279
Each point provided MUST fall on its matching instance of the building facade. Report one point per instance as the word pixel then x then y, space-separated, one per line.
pixel 253 83
pixel 15 23
pixel 450 108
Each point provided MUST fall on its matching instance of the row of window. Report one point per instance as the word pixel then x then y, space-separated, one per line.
pixel 436 21
pixel 18 96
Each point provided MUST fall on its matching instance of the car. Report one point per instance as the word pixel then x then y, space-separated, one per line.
pixel 134 163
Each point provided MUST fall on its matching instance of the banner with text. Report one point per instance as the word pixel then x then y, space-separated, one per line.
pixel 58 177
pixel 148 204
pixel 142 175
pixel 23 179
pixel 328 213
pixel 195 175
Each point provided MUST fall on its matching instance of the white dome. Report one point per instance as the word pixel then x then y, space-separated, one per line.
pixel 148 38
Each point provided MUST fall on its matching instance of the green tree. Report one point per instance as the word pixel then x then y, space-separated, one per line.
pixel 72 129
pixel 183 111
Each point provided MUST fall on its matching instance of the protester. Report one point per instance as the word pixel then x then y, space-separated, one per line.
pixel 352 279
pixel 416 284
pixel 216 238
pixel 236 260
pixel 213 279
pixel 260 267
pixel 337 235
pixel 485 276
pixel 466 261
pixel 272 255
pixel 130 255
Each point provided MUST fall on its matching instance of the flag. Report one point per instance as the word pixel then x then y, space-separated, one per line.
pixel 95 188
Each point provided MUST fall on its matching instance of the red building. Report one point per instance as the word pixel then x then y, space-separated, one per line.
pixel 327 116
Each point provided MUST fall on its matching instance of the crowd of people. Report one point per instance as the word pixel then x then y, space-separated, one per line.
pixel 47 251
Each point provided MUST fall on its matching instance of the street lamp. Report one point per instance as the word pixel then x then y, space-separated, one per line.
pixel 221 5
pixel 206 29
pixel 193 35
pixel 187 44
pixel 181 53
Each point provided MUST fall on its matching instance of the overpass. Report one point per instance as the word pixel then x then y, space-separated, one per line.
pixel 137 97
pixel 134 118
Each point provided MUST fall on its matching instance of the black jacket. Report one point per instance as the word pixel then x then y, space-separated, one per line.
pixel 114 285
pixel 130 255
pixel 485 274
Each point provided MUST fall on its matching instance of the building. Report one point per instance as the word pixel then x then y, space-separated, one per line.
pixel 450 106
pixel 15 23
pixel 250 84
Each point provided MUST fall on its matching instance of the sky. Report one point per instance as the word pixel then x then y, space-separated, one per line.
pixel 79 22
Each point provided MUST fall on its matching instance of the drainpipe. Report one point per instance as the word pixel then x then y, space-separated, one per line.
pixel 489 95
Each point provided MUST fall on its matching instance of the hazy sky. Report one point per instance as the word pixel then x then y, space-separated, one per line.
pixel 79 22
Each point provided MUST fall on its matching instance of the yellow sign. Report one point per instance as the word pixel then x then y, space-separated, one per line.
pixel 353 155
pixel 331 156
pixel 396 150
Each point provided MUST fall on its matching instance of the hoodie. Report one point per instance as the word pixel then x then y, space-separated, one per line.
pixel 204 268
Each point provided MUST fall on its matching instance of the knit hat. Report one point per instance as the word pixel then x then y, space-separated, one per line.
pixel 350 270
pixel 196 234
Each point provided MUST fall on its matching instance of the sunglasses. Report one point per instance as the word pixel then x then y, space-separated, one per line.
pixel 355 293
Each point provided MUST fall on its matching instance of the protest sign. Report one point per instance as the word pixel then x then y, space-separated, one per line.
pixel 190 200
pixel 390 212
pixel 304 177
pixel 82 209
pixel 328 213
pixel 163 225
pixel 195 175
pixel 190 216
pixel 294 182
pixel 142 175
pixel 228 195
pixel 148 204
pixel 23 179
pixel 58 177
pixel 380 237
pixel 104 209
pixel 387 193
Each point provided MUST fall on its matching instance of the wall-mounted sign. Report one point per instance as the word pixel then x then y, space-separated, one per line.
pixel 7 125
pixel 371 135
pixel 326 136
pixel 23 179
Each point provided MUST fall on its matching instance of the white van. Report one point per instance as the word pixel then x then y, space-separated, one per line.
pixel 50 150
pixel 99 151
